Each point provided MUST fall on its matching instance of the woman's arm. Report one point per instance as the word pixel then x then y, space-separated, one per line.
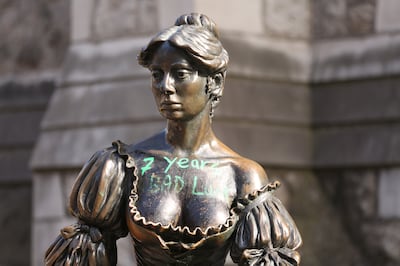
pixel 266 234
pixel 98 202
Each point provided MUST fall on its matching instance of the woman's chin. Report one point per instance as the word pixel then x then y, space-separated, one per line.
pixel 172 115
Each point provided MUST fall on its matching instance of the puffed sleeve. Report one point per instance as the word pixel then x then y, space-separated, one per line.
pixel 266 234
pixel 98 201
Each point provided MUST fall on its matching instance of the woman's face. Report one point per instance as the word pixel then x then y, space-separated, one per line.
pixel 178 88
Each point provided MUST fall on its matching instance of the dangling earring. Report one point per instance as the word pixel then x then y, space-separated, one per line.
pixel 214 102
pixel 211 114
pixel 214 89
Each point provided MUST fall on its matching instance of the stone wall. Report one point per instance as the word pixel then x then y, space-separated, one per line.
pixel 102 96
pixel 356 154
pixel 310 94
pixel 356 115
pixel 21 109
pixel 33 43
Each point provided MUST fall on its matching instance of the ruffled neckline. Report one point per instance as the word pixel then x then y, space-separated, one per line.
pixel 190 237
pixel 194 237
pixel 175 233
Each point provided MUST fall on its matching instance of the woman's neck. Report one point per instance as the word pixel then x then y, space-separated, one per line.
pixel 190 137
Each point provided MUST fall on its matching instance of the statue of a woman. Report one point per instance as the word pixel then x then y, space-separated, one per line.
pixel 184 197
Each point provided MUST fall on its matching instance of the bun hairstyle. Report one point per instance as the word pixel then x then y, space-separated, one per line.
pixel 197 35
pixel 198 20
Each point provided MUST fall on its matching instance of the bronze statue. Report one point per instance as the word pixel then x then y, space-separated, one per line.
pixel 185 197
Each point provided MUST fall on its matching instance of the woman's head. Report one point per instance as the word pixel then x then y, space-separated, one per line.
pixel 197 35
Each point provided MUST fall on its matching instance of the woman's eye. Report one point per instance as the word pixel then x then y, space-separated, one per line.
pixel 183 73
pixel 156 74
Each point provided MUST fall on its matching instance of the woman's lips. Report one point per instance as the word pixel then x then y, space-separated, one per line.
pixel 170 106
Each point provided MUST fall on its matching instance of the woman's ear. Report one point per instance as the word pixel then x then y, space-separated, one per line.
pixel 214 89
pixel 216 85
pixel 219 80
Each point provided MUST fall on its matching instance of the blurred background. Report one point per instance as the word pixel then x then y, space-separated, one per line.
pixel 312 93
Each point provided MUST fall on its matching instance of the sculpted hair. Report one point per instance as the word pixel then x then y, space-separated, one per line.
pixel 197 35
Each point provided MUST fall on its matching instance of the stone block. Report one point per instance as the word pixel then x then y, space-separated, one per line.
pixel 113 102
pixel 329 18
pixel 70 148
pixel 387 16
pixel 257 57
pixel 81 14
pixel 349 59
pixel 361 16
pixel 126 252
pixel 48 198
pixel 357 199
pixel 111 60
pixel 342 18
pixel 264 101
pixel 366 145
pixel 270 145
pixel 15 222
pixel 43 234
pixel 25 94
pixel 115 19
pixel 355 194
pixel 234 22
pixel 382 239
pixel 318 220
pixel 14 165
pixel 19 128
pixel 356 102
pixel 288 18
pixel 389 194
pixel 68 181
pixel 36 42
pixel 362 192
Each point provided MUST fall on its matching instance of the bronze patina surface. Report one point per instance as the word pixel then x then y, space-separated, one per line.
pixel 183 196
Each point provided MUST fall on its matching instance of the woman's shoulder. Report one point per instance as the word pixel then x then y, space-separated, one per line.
pixel 154 142
pixel 250 175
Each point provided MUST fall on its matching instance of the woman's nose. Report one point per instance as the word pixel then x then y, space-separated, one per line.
pixel 167 85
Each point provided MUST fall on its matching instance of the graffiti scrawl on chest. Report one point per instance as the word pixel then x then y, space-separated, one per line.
pixel 176 174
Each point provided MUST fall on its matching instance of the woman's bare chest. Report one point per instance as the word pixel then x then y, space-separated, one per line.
pixel 185 191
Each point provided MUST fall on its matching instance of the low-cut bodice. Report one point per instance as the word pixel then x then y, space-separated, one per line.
pixel 185 211
pixel 181 209
pixel 184 191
